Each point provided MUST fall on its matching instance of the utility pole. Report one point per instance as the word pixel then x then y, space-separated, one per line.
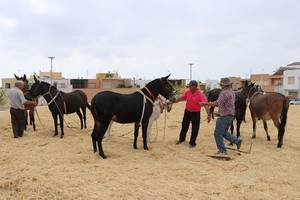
pixel 191 65
pixel 51 58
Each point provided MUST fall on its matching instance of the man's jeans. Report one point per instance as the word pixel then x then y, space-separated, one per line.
pixel 221 131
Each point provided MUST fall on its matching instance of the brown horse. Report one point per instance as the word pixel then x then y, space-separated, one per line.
pixel 266 106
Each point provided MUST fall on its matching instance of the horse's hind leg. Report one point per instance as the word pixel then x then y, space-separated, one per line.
pixel 266 129
pixel 80 117
pixel 94 135
pixel 103 127
pixel 254 125
pixel 84 115
pixel 136 134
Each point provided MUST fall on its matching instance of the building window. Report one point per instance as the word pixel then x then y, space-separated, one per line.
pixel 293 94
pixel 7 85
pixel 291 80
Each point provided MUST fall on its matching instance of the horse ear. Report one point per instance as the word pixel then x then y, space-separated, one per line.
pixel 18 78
pixel 35 79
pixel 24 77
pixel 165 78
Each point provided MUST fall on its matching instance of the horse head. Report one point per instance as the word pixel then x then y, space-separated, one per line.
pixel 255 89
pixel 25 80
pixel 38 88
pixel 161 86
pixel 247 88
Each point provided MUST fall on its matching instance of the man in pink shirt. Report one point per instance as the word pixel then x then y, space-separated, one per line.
pixel 193 97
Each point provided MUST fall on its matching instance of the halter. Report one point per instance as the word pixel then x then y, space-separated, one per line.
pixel 150 93
pixel 254 94
pixel 49 93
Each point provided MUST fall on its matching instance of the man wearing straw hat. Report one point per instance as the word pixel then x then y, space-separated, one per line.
pixel 225 102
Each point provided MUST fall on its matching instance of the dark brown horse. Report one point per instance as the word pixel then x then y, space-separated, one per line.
pixel 266 106
pixel 60 103
pixel 29 110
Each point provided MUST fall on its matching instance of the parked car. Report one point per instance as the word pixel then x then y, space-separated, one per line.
pixel 295 101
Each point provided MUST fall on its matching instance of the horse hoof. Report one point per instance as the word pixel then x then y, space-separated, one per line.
pixel 279 145
pixel 103 156
pixel 269 138
pixel 61 136
pixel 253 137
pixel 146 148
pixel 230 144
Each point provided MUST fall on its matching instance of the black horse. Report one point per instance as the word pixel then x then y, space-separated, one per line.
pixel 31 109
pixel 135 108
pixel 61 103
pixel 241 106
pixel 213 95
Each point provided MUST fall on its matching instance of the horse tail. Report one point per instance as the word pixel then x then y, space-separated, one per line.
pixel 283 118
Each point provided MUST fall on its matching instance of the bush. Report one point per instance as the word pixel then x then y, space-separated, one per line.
pixel 3 97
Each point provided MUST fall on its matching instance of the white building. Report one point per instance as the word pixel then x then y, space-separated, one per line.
pixel 291 80
pixel 212 84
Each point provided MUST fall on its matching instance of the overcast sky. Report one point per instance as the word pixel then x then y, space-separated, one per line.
pixel 149 38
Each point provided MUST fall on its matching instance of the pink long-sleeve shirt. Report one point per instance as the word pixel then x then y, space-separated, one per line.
pixel 193 100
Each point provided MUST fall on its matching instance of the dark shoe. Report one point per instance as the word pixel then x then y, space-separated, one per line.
pixel 179 142
pixel 238 145
pixel 221 153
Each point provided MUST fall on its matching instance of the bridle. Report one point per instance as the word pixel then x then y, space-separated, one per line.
pixel 49 93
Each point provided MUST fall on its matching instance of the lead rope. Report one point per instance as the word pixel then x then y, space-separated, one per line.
pixel 143 110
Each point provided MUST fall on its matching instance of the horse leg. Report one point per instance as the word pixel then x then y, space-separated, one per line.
pixel 266 129
pixel 276 124
pixel 136 134
pixel 144 130
pixel 61 123
pixel 108 132
pixel 149 128
pixel 32 120
pixel 54 115
pixel 238 126
pixel 26 119
pixel 254 125
pixel 102 129
pixel 80 117
pixel 84 116
pixel 231 130
pixel 94 135
pixel 211 110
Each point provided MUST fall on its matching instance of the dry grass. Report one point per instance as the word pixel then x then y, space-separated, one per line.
pixel 39 166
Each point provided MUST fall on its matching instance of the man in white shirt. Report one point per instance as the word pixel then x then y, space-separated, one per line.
pixel 17 108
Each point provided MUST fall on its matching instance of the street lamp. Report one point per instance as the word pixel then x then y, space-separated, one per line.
pixel 51 58
pixel 191 65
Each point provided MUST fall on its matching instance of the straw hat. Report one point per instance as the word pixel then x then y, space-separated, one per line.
pixel 225 82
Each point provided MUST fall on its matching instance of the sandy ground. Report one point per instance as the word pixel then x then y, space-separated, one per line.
pixel 40 166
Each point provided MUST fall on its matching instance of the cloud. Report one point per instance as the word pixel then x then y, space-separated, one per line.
pixel 149 38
